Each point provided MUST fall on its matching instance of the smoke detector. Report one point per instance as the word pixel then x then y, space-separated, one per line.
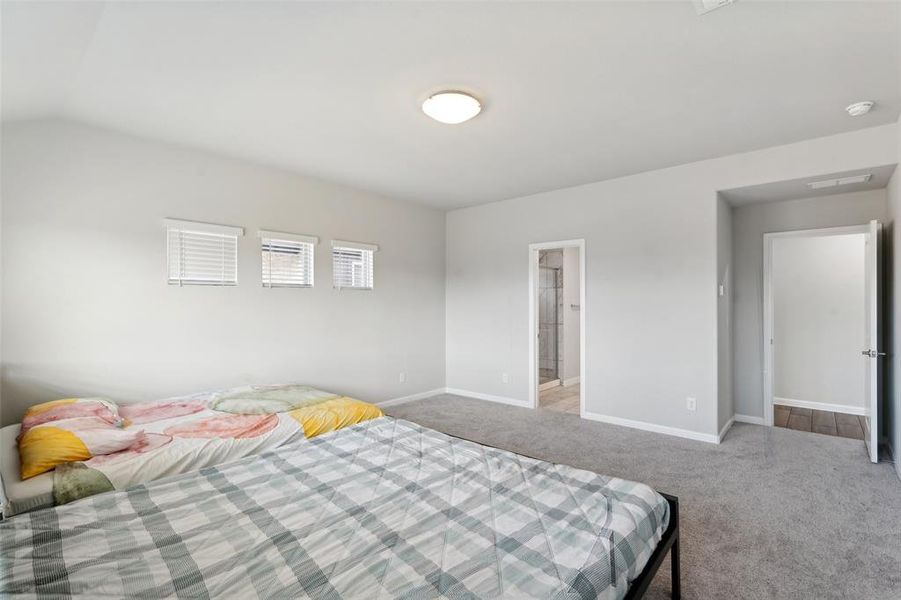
pixel 859 109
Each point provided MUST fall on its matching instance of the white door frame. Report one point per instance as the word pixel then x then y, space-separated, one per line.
pixel 533 318
pixel 768 308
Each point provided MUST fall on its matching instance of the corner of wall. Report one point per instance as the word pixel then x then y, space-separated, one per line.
pixel 892 301
pixel 723 290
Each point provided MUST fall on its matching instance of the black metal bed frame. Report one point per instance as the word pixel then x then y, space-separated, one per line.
pixel 668 543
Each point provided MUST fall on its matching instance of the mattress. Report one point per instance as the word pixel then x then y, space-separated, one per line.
pixel 20 496
pixel 382 509
pixel 185 434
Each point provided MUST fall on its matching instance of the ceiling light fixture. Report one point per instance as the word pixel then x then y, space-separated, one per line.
pixel 451 107
pixel 828 183
pixel 859 109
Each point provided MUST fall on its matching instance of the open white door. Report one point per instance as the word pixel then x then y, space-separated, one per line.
pixel 874 339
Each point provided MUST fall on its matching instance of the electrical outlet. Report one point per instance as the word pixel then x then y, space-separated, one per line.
pixel 403 377
pixel 505 378
pixel 691 404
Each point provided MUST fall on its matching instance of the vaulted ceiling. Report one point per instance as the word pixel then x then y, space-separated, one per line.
pixel 572 92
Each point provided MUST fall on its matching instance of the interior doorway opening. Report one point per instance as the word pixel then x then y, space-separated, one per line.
pixel 557 326
pixel 821 335
pixel 551 313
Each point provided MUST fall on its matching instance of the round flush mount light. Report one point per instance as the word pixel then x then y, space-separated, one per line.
pixel 859 109
pixel 451 107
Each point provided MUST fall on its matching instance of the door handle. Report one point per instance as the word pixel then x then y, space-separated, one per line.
pixel 872 353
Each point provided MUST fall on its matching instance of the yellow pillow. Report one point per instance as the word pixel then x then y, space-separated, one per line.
pixel 333 414
pixel 43 447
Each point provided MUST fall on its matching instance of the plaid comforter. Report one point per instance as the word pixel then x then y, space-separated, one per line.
pixel 383 509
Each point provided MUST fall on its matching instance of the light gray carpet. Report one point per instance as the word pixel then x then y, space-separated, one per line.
pixel 769 513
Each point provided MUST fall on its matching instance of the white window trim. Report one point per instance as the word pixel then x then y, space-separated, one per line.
pixel 184 226
pixel 342 244
pixel 203 227
pixel 291 237
pixel 355 245
pixel 313 240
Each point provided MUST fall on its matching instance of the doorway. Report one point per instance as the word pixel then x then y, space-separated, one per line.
pixel 557 326
pixel 821 331
pixel 550 318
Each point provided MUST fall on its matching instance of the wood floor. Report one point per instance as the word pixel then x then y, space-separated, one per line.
pixel 560 398
pixel 545 375
pixel 820 421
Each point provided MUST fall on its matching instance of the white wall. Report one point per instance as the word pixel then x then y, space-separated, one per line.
pixel 891 417
pixel 819 319
pixel 749 223
pixel 87 309
pixel 81 316
pixel 725 406
pixel 651 259
pixel 570 316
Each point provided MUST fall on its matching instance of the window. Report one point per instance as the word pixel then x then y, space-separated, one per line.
pixel 202 254
pixel 352 265
pixel 287 259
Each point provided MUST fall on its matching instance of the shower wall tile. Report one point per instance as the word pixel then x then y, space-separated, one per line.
pixel 550 312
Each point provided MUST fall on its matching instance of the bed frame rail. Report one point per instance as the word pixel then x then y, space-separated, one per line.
pixel 668 543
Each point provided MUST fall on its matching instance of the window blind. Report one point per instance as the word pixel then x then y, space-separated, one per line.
pixel 287 259
pixel 352 265
pixel 202 253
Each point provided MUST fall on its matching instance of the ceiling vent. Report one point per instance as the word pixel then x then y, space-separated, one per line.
pixel 705 6
pixel 828 183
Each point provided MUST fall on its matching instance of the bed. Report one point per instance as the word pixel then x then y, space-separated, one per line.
pixel 382 509
pixel 183 434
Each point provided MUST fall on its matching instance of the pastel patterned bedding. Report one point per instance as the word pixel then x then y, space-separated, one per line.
pixel 187 434
pixel 382 509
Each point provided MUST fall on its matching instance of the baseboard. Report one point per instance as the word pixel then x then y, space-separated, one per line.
pixel 749 419
pixel 896 460
pixel 642 425
pixel 548 385
pixel 411 397
pixel 725 430
pixel 488 397
pixel 674 431
pixel 572 381
pixel 456 392
pixel 898 468
pixel 839 408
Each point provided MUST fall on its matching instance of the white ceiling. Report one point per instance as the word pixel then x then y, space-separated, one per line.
pixel 796 189
pixel 573 92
